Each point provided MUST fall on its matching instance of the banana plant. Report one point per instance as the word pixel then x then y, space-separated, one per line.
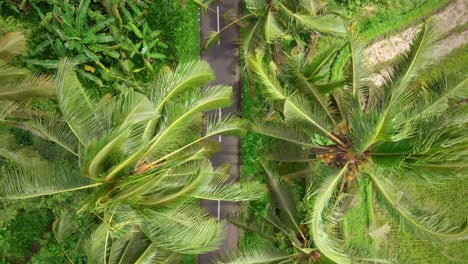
pixel 99 36
pixel 392 149
pixel 142 157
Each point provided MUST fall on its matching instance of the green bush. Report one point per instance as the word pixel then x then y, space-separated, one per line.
pixel 180 28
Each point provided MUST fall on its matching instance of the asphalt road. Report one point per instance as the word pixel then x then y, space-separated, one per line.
pixel 224 59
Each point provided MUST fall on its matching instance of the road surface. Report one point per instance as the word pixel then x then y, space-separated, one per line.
pixel 224 59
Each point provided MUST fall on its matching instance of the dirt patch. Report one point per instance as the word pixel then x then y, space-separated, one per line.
pixel 455 14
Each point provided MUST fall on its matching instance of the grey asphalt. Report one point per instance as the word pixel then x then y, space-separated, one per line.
pixel 224 59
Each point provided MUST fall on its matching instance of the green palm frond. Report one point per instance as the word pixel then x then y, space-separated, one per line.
pixel 186 229
pixel 6 108
pixel 41 179
pixel 212 97
pixel 127 109
pixel 330 24
pixel 304 85
pixel 102 152
pixel 241 220
pixel 287 152
pixel 249 41
pixel 63 226
pixel 154 255
pixel 319 61
pixel 57 131
pixel 289 133
pixel 437 96
pixel 77 107
pixel 320 218
pixel 430 222
pixel 220 189
pixel 8 72
pixel 284 200
pixel 360 69
pixel 298 110
pixel 272 29
pixel 185 77
pixel 98 246
pixel 256 256
pixel 14 152
pixel 422 55
pixel 272 88
pixel 27 87
pixel 11 45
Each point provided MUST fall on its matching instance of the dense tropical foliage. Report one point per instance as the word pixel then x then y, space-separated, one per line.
pixel 106 133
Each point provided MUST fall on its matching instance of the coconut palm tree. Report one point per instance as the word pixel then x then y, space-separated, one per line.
pixel 385 147
pixel 142 157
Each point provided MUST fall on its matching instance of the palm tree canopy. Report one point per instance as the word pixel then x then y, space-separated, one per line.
pixel 393 140
pixel 142 156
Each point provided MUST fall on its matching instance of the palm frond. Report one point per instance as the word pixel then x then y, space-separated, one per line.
pixel 98 246
pixel 211 98
pixel 63 226
pixel 272 29
pixel 304 85
pixel 185 77
pixel 241 220
pixel 77 107
pixel 11 45
pixel 360 69
pixel 256 256
pixel 421 57
pixel 439 93
pixel 102 153
pixel 57 131
pixel 6 108
pixel 428 222
pixel 319 60
pixel 8 73
pixel 283 199
pixel 330 24
pixel 272 88
pixel 27 87
pixel 41 179
pixel 186 229
pixel 20 155
pixel 220 189
pixel 249 41
pixel 322 200
pixel 298 110
pixel 127 109
pixel 154 255
pixel 289 133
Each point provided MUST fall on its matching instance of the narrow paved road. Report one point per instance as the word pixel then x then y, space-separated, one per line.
pixel 224 59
